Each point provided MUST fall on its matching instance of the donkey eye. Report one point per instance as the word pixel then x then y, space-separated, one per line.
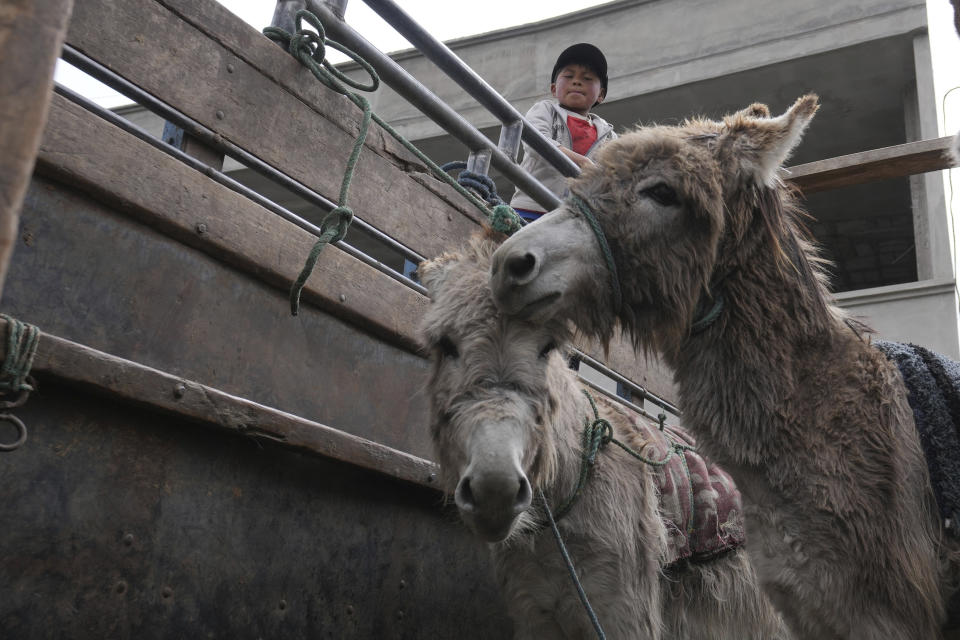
pixel 447 348
pixel 550 346
pixel 663 194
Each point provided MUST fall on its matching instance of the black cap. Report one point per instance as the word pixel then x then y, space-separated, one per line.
pixel 585 54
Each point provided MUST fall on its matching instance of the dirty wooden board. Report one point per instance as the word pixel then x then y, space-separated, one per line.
pixel 31 34
pixel 877 164
pixel 143 182
pixel 102 279
pixel 124 523
pixel 150 389
pixel 308 138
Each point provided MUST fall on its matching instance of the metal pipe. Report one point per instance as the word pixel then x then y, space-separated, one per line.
pixel 469 80
pixel 285 15
pixel 230 183
pixel 420 97
pixel 632 386
pixel 212 139
pixel 108 77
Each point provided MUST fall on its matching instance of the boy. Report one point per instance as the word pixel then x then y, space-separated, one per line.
pixel 578 83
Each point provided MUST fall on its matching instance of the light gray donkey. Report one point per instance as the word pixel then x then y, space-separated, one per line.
pixel 507 422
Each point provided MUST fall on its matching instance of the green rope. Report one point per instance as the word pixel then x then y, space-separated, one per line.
pixel 310 49
pixel 709 316
pixel 604 248
pixel 596 435
pixel 22 339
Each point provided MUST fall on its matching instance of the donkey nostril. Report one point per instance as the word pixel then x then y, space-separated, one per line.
pixel 524 495
pixel 464 495
pixel 520 266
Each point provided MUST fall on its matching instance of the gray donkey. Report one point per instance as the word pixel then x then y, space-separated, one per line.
pixel 507 422
pixel 707 264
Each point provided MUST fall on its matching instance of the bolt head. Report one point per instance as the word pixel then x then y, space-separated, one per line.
pixel 201 227
pixel 219 114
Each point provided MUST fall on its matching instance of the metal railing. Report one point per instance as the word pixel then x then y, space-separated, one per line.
pixel 483 153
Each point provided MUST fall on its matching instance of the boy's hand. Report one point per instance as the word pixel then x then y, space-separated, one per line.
pixel 579 160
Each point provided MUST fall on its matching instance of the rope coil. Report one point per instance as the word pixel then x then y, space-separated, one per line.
pixel 309 47
pixel 22 340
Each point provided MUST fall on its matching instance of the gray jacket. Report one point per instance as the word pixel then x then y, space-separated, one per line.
pixel 551 120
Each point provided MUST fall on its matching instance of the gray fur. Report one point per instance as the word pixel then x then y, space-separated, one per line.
pixel 488 374
pixel 783 390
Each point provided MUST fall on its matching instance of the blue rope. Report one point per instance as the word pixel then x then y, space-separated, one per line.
pixel 570 569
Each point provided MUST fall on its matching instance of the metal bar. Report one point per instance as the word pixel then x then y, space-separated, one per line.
pixel 510 139
pixel 231 184
pixel 338 7
pixel 617 398
pixel 479 162
pixel 212 139
pixel 499 160
pixel 633 386
pixel 469 80
pixel 425 101
pixel 284 15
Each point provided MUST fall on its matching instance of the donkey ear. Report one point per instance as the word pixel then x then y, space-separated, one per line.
pixel 762 144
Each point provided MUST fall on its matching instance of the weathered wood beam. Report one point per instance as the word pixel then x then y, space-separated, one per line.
pixel 146 387
pixel 165 194
pixel 162 192
pixel 877 164
pixel 31 35
pixel 224 74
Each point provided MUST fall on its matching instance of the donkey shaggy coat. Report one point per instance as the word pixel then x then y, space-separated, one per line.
pixel 507 417
pixel 782 390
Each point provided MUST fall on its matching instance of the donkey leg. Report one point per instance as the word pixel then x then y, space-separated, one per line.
pixel 720 599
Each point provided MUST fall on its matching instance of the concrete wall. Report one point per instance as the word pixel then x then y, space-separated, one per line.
pixel 920 312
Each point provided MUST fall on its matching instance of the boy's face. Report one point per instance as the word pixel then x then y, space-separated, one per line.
pixel 577 88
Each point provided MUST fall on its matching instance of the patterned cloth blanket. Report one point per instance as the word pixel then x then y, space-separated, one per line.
pixel 699 503
pixel 933 385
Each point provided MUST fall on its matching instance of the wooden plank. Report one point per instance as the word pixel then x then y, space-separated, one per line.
pixel 877 164
pixel 169 196
pixel 31 34
pixel 241 85
pixel 163 193
pixel 143 386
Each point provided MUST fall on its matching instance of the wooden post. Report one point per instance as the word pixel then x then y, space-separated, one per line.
pixel 31 34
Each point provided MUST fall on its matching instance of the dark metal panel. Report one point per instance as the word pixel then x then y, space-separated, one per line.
pixel 99 278
pixel 121 523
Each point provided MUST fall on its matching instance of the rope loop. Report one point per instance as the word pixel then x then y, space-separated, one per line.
pixel 594 224
pixel 309 48
pixel 22 340
pixel 21 432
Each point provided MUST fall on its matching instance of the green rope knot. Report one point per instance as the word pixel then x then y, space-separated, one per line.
pixel 333 229
pixel 22 340
pixel 505 220
pixel 309 48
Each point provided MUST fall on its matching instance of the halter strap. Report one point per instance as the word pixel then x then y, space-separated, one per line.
pixel 604 248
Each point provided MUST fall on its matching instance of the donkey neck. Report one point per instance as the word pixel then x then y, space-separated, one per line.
pixel 736 377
